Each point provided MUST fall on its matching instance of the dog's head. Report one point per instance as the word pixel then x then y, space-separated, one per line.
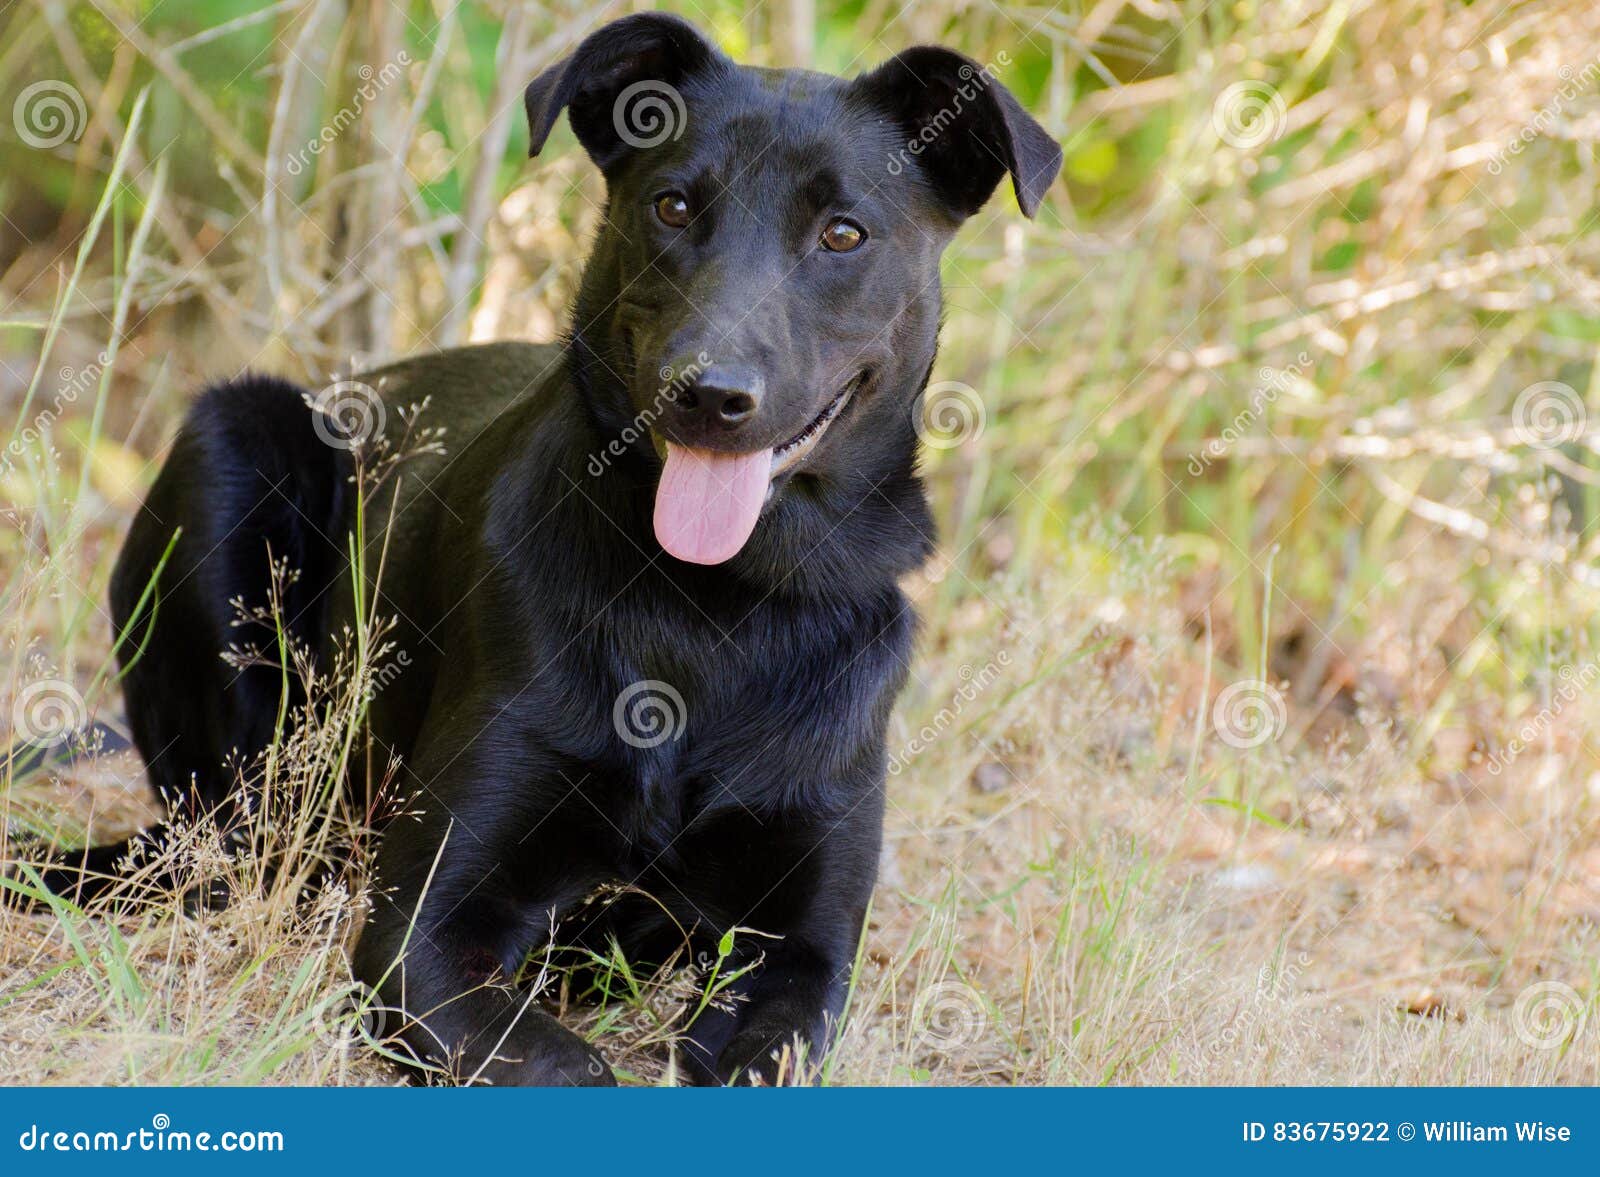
pixel 762 305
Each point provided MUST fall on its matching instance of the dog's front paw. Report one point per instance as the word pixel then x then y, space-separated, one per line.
pixel 760 1058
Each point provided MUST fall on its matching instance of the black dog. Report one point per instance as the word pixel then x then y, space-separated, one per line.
pixel 594 544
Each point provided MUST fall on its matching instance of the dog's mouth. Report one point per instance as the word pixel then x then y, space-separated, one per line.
pixel 792 452
pixel 708 502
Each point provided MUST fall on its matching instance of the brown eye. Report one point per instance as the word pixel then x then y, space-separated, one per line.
pixel 672 209
pixel 843 236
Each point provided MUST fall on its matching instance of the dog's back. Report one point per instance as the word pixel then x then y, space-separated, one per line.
pixel 260 478
pixel 261 475
pixel 247 486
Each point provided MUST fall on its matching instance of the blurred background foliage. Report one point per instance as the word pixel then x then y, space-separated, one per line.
pixel 1338 300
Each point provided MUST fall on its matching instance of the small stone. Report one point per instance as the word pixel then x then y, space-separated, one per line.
pixel 1345 895
pixel 1426 1004
pixel 991 777
pixel 1248 879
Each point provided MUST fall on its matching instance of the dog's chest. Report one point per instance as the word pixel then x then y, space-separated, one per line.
pixel 770 714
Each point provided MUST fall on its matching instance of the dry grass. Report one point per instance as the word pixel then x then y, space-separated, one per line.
pixel 1065 900
pixel 1092 874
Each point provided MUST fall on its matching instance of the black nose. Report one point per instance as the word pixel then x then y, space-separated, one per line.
pixel 723 395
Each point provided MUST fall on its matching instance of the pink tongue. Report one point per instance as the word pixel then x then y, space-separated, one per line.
pixel 707 503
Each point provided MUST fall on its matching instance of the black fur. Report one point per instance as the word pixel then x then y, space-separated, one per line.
pixel 531 594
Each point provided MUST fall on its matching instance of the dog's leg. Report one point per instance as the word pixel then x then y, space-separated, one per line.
pixel 456 1014
pixel 812 889
pixel 442 986
pixel 461 898
pixel 782 1029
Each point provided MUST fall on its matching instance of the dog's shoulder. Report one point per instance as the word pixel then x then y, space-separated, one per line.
pixel 468 386
pixel 474 402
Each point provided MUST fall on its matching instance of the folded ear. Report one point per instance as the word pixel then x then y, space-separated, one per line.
pixel 962 128
pixel 620 86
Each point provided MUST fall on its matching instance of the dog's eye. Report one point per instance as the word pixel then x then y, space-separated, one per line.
pixel 842 236
pixel 672 209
